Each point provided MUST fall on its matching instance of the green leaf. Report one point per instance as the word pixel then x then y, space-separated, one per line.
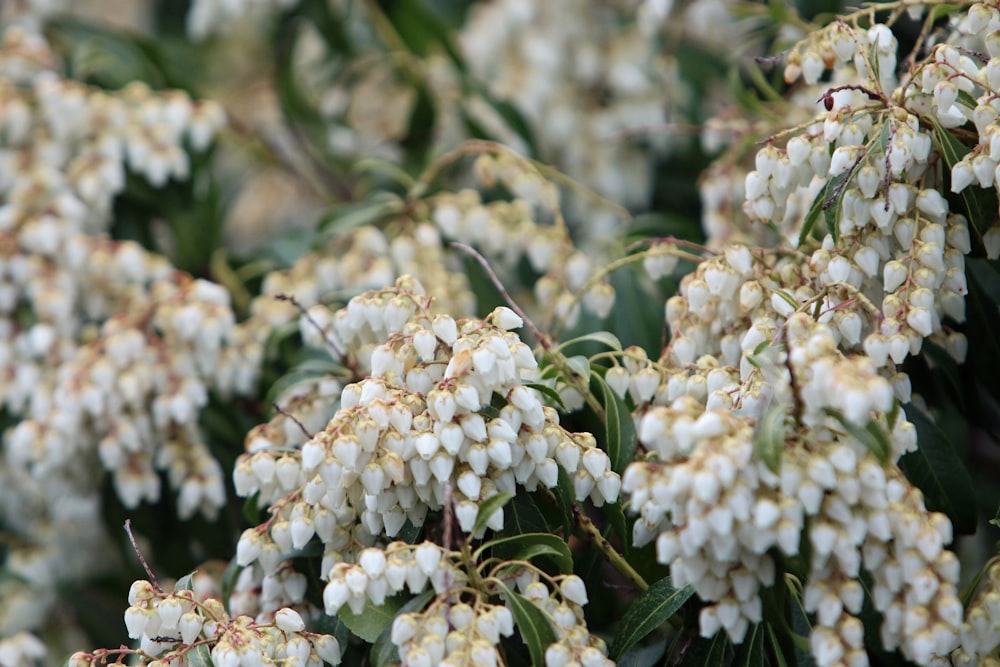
pixel 980 204
pixel 384 651
pixel 708 652
pixel 619 429
pixel 184 583
pixel 532 623
pixel 769 437
pixel 751 651
pixel 938 470
pixel 605 338
pixel 372 620
pixel 488 507
pixel 644 656
pixel 548 392
pixel 616 519
pixel 351 216
pixel 984 321
pixel 198 656
pixel 523 516
pixel 535 544
pixel 822 204
pixel 251 510
pixel 566 496
pixel 871 436
pixel 650 610
pixel 579 366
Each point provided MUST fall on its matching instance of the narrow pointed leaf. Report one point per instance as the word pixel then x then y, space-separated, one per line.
pixel 650 610
pixel 532 623
pixel 488 507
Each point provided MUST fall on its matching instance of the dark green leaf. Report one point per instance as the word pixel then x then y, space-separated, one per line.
pixel 816 209
pixel 708 652
pixel 522 516
pixel 644 656
pixel 536 631
pixel 549 393
pixel 980 204
pixel 619 429
pixel 534 544
pixel 372 620
pixel 651 610
pixel 251 510
pixel 566 497
pixel 488 507
pixel 616 519
pixel 751 652
pixel 769 437
pixel 984 321
pixel 384 652
pixel 937 469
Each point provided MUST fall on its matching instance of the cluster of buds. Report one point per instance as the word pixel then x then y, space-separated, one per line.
pixel 546 60
pixel 981 627
pixel 716 502
pixel 508 231
pixel 453 634
pixel 416 434
pixel 378 573
pixel 21 650
pixel 172 626
pixel 463 628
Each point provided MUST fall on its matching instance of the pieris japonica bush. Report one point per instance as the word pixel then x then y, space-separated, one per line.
pixel 454 332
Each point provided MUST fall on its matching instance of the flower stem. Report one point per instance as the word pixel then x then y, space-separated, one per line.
pixel 609 552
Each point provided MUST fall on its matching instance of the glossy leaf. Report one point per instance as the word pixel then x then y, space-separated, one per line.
pixel 384 652
pixel 650 610
pixel 980 205
pixel 488 507
pixel 751 652
pixel 185 583
pixel 619 429
pixel 937 469
pixel 644 656
pixel 534 627
pixel 605 338
pixel 372 620
pixel 535 544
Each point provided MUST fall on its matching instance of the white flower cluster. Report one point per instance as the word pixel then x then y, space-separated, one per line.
pixel 416 433
pixel 981 630
pixel 170 626
pixel 548 58
pixel 100 360
pixel 378 573
pixel 716 504
pixel 452 631
pixel 21 650
pixel 260 595
pixel 506 231
pixel 452 635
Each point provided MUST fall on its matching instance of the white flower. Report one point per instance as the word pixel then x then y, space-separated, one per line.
pixel 289 620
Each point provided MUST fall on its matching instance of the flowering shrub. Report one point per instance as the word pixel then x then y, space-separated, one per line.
pixel 499 333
